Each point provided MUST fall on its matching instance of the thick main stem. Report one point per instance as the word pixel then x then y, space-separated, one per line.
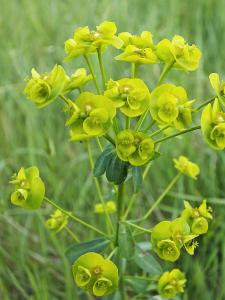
pixel 120 198
pixel 98 189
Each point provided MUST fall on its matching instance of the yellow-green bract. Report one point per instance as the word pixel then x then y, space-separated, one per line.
pixel 95 274
pixel 186 167
pixel 169 105
pixel 171 283
pixel 179 53
pixel 86 41
pixel 213 125
pixel 109 207
pixel 138 49
pixel 29 188
pixel 197 217
pixel 130 95
pixel 90 116
pixel 45 88
pixel 135 147
pixel 57 221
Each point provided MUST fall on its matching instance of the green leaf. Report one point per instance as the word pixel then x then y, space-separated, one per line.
pixel 76 250
pixel 137 178
pixel 102 161
pixel 126 242
pixel 147 262
pixel 139 285
pixel 155 155
pixel 116 170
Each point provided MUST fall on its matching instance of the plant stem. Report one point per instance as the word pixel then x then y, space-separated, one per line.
pixel 102 67
pixel 88 61
pixel 76 239
pixel 110 139
pixel 98 188
pixel 64 99
pixel 112 253
pixel 160 130
pixel 176 134
pixel 99 144
pixel 128 121
pixel 137 227
pixel 120 198
pixel 134 70
pixel 119 210
pixel 141 120
pixel 165 71
pixel 204 104
pixel 160 198
pixel 76 219
pixel 149 126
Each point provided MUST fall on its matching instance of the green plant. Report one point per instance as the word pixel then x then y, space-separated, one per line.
pixel 121 121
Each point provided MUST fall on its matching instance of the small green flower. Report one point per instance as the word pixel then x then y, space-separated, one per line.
pixel 110 207
pixel 197 218
pixel 90 116
pixel 138 49
pixel 57 221
pixel 185 166
pixel 169 105
pixel 77 80
pixel 95 274
pixel 29 188
pixel 171 283
pixel 135 147
pixel 213 125
pixel 87 41
pixel 44 89
pixel 183 56
pixel 130 95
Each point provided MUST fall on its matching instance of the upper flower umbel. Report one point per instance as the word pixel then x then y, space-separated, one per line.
pixel 87 41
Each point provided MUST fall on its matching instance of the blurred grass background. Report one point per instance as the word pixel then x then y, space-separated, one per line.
pixel 32 34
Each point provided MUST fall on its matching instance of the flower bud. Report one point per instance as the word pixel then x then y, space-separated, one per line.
pixel 57 221
pixel 186 167
pixel 109 207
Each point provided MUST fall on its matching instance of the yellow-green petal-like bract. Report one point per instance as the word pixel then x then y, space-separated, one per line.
pixel 171 283
pixel 29 188
pixel 169 105
pixel 95 274
pixel 130 95
pixel 213 125
pixel 90 116
pixel 45 88
pixel 186 167
pixel 135 147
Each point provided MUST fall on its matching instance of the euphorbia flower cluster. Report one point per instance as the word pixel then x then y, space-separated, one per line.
pixel 128 119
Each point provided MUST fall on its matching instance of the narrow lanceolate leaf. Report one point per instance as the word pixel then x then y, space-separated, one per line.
pixel 137 178
pixel 116 170
pixel 76 250
pixel 126 242
pixel 102 161
pixel 147 262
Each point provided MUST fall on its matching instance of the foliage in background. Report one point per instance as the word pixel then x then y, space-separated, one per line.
pixel 26 253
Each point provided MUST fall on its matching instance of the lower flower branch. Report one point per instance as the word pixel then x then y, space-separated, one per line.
pixel 160 198
pixel 177 134
pixel 76 219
